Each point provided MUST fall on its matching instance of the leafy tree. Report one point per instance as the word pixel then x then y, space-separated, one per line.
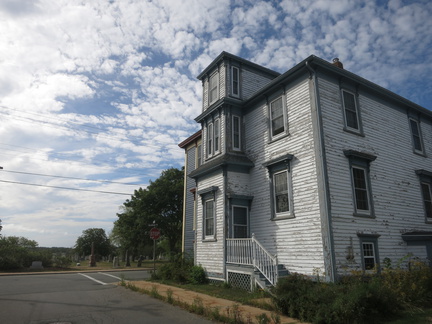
pixel 0 227
pixel 102 246
pixel 19 252
pixel 161 202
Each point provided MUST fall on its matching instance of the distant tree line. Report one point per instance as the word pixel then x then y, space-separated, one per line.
pixel 159 205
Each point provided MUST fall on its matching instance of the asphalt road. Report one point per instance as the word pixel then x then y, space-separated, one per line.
pixel 83 298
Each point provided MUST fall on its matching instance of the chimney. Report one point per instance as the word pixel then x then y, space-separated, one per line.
pixel 337 63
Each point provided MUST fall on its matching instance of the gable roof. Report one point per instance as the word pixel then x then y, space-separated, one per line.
pixel 314 63
pixel 190 139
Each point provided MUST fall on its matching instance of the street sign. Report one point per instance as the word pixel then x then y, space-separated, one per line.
pixel 154 233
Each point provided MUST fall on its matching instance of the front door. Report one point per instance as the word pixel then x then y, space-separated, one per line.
pixel 240 222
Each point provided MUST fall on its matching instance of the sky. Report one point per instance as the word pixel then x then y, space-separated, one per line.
pixel 106 90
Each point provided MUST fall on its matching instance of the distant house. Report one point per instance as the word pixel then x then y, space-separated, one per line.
pixel 316 171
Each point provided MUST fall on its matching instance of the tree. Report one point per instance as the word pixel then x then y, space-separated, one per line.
pixel 19 252
pixel 102 246
pixel 0 226
pixel 161 202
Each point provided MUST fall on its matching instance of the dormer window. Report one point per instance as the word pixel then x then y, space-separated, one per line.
pixel 213 88
pixel 235 81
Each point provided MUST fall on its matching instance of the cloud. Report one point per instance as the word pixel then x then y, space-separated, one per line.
pixel 107 89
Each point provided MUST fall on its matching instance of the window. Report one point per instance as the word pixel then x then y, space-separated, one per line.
pixel 368 255
pixel 236 133
pixel 427 199
pixel 199 155
pixel 277 117
pixel 213 88
pixel 361 195
pixel 280 183
pixel 416 135
pixel 350 111
pixel 369 251
pixel 240 222
pixel 209 218
pixel 281 192
pixel 360 179
pixel 426 192
pixel 235 81
pixel 210 139
pixel 216 135
pixel 208 198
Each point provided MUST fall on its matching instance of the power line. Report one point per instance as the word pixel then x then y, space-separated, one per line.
pixel 67 188
pixel 73 178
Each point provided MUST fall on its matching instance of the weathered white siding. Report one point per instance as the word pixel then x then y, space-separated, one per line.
pixel 210 254
pixel 296 241
pixel 397 198
pixel 252 82
pixel 238 183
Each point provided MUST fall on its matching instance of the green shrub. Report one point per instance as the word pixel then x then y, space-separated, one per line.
pixel 350 302
pixel 177 269
pixel 62 262
pixel 197 275
pixel 413 287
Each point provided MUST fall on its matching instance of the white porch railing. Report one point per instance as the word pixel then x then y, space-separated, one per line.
pixel 248 251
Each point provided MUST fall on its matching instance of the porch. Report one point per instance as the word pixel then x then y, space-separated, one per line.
pixel 251 256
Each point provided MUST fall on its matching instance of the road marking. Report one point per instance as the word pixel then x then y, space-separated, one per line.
pixel 100 282
pixel 107 274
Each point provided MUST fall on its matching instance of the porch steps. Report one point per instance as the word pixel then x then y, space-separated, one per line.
pixel 264 283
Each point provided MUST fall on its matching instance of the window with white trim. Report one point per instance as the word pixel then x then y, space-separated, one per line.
pixel 416 135
pixel 360 180
pixel 369 251
pixel 236 144
pixel 216 135
pixel 426 192
pixel 277 117
pixel 361 190
pixel 280 192
pixel 199 155
pixel 235 81
pixel 368 255
pixel 213 88
pixel 351 114
pixel 209 218
pixel 280 187
pixel 427 199
pixel 210 139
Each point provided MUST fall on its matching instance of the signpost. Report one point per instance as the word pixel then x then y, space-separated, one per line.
pixel 154 235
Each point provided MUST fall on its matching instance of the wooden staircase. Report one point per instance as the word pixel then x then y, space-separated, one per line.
pixel 250 252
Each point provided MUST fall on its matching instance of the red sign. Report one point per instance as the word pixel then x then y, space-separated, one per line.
pixel 154 233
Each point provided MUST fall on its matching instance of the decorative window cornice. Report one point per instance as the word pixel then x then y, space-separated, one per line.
pixel 284 159
pixel 424 173
pixel 359 155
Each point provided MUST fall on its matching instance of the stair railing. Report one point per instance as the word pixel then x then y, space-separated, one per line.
pixel 249 251
pixel 266 263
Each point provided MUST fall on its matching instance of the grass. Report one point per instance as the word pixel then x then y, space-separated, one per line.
pixel 258 298
pixel 262 300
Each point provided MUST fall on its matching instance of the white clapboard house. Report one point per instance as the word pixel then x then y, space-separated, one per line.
pixel 316 171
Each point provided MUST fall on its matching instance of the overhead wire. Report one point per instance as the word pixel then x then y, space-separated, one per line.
pixel 66 188
pixel 72 178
